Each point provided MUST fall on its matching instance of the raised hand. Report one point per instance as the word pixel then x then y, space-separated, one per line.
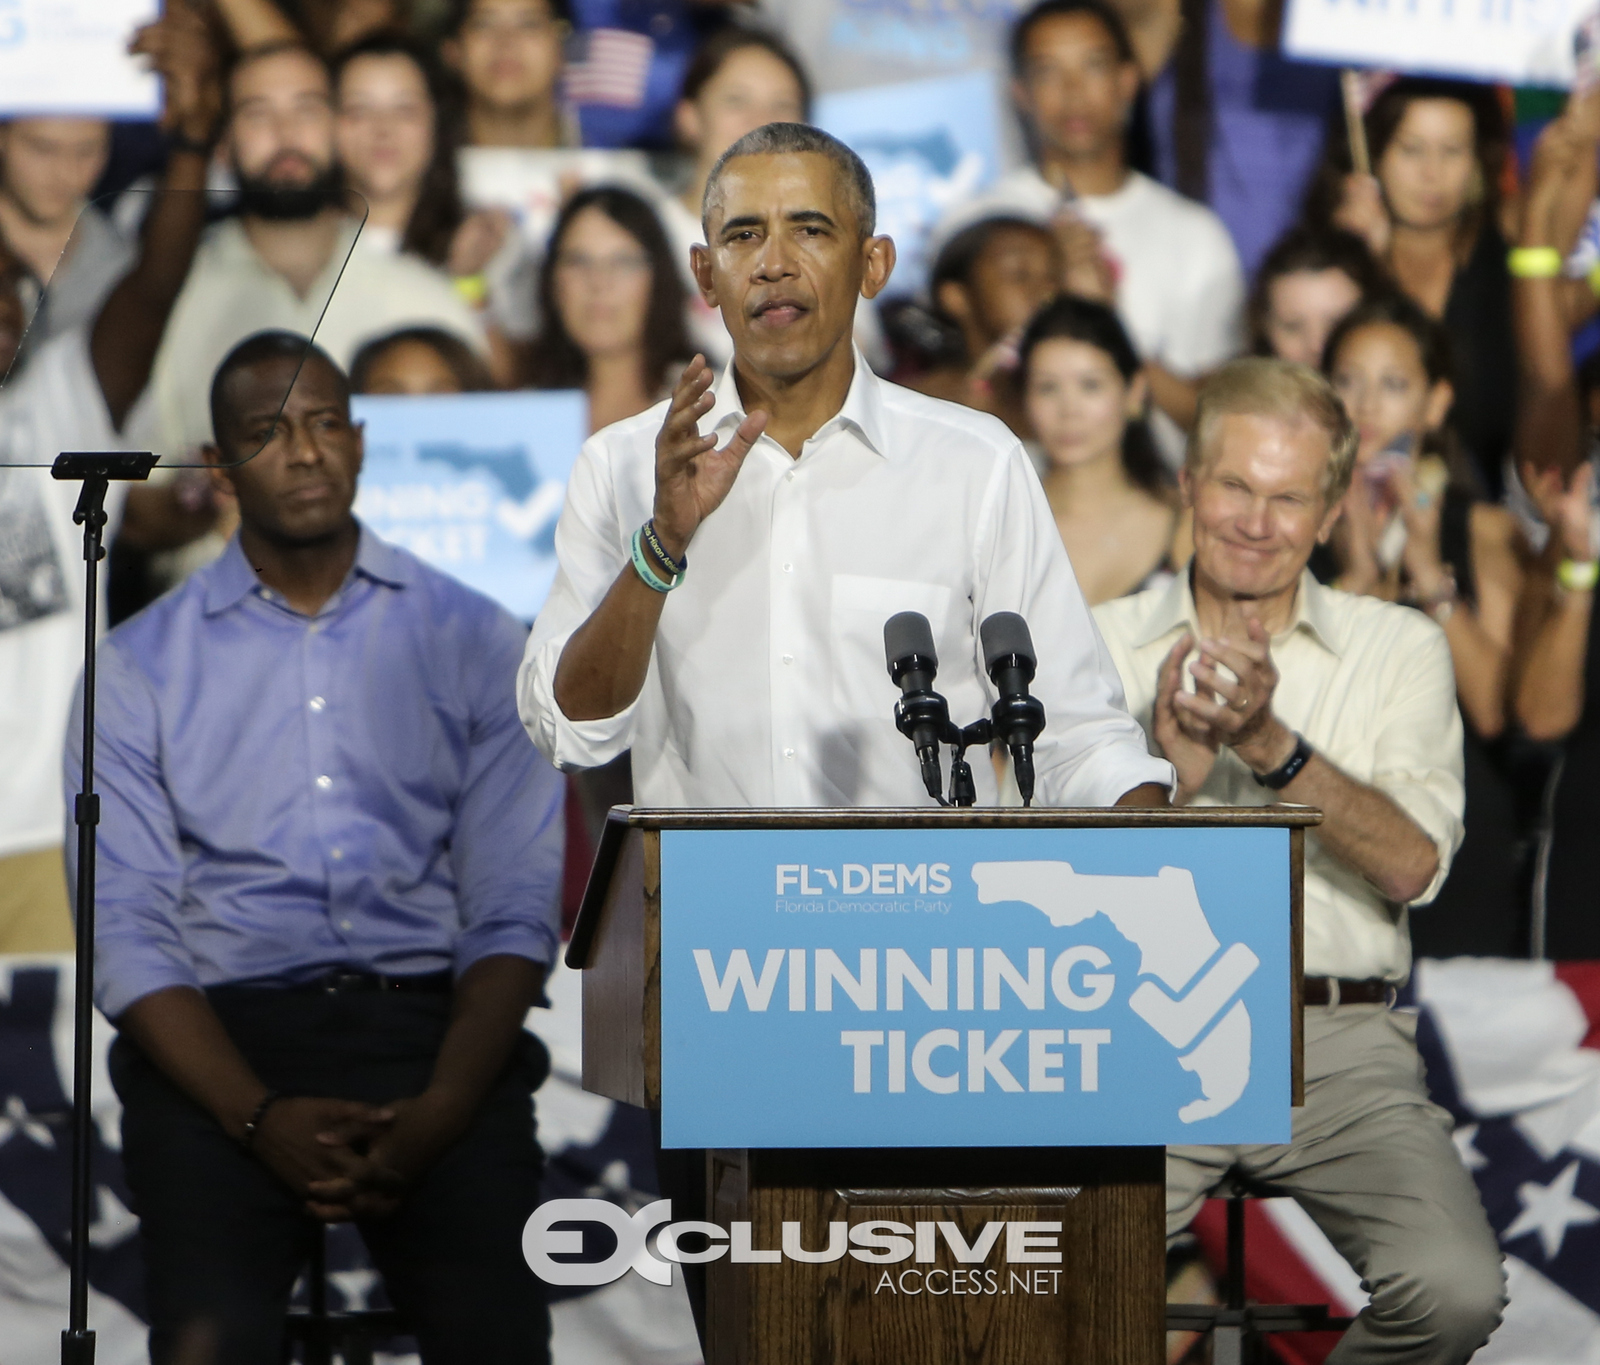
pixel 1421 510
pixel 180 49
pixel 1566 508
pixel 1186 743
pixel 1361 211
pixel 1085 271
pixel 692 475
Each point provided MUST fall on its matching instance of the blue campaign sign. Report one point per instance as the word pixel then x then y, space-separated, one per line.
pixel 929 144
pixel 473 483
pixel 981 987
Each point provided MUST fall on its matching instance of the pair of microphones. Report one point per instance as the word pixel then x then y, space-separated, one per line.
pixel 923 716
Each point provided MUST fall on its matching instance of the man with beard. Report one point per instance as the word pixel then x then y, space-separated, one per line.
pixel 276 264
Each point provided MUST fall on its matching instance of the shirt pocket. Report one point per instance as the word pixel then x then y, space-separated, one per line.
pixel 860 605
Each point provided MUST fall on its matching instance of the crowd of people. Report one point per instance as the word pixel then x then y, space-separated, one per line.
pixel 507 194
pixel 1186 196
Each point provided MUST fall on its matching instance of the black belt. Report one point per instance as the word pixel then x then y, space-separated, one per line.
pixel 1319 990
pixel 350 982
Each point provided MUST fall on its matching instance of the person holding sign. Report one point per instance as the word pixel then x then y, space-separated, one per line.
pixel 1429 212
pixel 1261 685
pixel 729 557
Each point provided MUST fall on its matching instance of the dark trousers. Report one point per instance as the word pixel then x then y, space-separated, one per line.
pixel 224 1238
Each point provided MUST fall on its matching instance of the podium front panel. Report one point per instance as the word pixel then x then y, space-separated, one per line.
pixel 971 986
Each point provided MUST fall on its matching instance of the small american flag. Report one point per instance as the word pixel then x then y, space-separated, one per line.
pixel 614 69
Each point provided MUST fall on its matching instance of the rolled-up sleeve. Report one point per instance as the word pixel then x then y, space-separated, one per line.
pixel 509 836
pixel 139 863
pixel 1418 754
pixel 1092 751
pixel 590 556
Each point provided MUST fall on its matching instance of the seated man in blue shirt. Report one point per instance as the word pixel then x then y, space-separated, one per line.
pixel 329 880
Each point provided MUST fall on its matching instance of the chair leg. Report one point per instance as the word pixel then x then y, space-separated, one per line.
pixel 1233 1290
pixel 319 1348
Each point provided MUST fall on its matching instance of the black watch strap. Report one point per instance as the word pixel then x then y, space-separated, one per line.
pixel 1281 776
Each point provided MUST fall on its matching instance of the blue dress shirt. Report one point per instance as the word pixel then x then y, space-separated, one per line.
pixel 282 795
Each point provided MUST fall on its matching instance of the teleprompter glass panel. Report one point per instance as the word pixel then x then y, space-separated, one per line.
pixel 135 366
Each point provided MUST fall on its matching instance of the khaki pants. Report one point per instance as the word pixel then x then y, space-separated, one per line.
pixel 1372 1162
pixel 34 917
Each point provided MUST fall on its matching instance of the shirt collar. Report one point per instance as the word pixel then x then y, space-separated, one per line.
pixel 231 579
pixel 1174 609
pixel 862 411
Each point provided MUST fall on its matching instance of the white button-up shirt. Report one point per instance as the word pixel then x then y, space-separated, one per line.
pixel 767 685
pixel 1372 688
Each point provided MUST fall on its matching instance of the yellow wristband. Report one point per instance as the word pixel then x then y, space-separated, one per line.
pixel 1578 575
pixel 1594 280
pixel 1534 262
pixel 474 289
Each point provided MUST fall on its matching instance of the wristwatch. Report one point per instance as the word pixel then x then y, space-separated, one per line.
pixel 1281 776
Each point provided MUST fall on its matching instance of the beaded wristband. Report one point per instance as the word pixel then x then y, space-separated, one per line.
pixel 1534 262
pixel 1578 575
pixel 641 566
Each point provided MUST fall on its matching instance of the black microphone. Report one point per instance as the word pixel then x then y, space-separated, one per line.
pixel 921 714
pixel 1018 717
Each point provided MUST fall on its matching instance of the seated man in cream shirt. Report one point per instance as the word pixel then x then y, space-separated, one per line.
pixel 1259 684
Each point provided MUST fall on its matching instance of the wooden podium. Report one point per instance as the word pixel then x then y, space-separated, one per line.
pixel 1101 1302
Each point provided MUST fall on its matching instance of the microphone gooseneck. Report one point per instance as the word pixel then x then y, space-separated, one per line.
pixel 1018 716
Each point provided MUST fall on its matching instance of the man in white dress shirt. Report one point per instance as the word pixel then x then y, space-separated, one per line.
pixel 1304 694
pixel 805 501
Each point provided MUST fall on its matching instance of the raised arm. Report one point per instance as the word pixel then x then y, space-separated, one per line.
pixel 1561 185
pixel 127 332
pixel 256 23
pixel 603 666
pixel 1548 688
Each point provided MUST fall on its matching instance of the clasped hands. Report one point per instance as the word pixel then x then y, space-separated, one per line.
pixel 1232 708
pixel 352 1160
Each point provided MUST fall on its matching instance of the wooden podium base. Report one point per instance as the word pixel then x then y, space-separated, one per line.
pixel 1102 1304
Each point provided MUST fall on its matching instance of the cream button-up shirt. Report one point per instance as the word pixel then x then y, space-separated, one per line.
pixel 1372 688
pixel 767 685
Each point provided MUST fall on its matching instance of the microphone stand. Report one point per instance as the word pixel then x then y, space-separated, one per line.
pixel 96 470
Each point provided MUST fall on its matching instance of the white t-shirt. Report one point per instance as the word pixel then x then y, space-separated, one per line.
pixel 1180 288
pixel 54 404
pixel 232 293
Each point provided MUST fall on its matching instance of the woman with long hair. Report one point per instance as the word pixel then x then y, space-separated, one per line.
pixel 1415 530
pixel 396 145
pixel 1084 391
pixel 611 306
pixel 1429 212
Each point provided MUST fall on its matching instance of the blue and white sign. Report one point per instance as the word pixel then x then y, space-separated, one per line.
pixel 1518 42
pixel 930 145
pixel 71 57
pixel 1006 987
pixel 473 483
